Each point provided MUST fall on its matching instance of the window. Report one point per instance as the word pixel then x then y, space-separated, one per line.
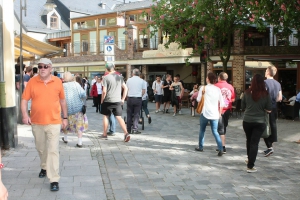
pixel 132 18
pixel 143 38
pixel 54 21
pixel 93 45
pixel 76 43
pixel 142 17
pixel 102 33
pixel 121 39
pixel 102 22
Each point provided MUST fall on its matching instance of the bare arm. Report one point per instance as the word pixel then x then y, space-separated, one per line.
pixel 26 119
pixel 182 91
pixel 143 92
pixel 103 94
pixel 279 96
pixel 125 90
pixel 64 109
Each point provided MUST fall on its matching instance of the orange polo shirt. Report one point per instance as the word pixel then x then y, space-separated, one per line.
pixel 45 100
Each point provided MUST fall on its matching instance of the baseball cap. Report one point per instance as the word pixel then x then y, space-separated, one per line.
pixel 45 61
pixel 109 66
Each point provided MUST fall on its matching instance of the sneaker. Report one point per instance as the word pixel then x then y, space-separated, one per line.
pixel 156 111
pixel 253 169
pixel 159 110
pixel 65 141
pixel 43 173
pixel 224 150
pixel 167 111
pixel 136 132
pixel 246 162
pixel 110 133
pixel 149 120
pixel 174 114
pixel 54 186
pixel 126 138
pixel 180 112
pixel 268 152
pixel 198 149
pixel 103 137
pixel 78 145
pixel 220 153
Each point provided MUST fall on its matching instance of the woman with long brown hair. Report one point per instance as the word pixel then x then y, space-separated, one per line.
pixel 256 102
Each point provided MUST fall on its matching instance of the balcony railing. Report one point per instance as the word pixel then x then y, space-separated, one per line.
pixel 250 50
pixel 58 34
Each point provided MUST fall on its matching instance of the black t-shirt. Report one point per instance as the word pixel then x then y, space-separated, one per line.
pixel 17 68
pixel 273 87
pixel 167 90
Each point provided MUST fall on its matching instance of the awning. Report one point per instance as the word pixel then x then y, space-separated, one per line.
pixel 26 56
pixel 37 47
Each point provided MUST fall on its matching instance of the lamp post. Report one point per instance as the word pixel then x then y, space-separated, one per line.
pixel 21 59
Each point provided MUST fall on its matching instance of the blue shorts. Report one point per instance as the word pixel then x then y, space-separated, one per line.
pixel 158 98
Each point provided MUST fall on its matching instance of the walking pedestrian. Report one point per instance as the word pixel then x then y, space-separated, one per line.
pixel 180 103
pixel 167 93
pixel 211 112
pixel 75 96
pixel 178 91
pixel 274 89
pixel 112 101
pixel 256 102
pixel 145 99
pixel 228 95
pixel 48 103
pixel 94 97
pixel 158 92
pixel 99 94
pixel 136 89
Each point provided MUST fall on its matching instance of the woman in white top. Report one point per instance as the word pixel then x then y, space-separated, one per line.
pixel 212 109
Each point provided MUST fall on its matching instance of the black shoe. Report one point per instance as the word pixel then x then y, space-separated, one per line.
pixel 110 133
pixel 96 111
pixel 54 186
pixel 43 173
pixel 268 152
pixel 198 149
pixel 224 150
pixel 149 120
pixel 136 132
pixel 79 146
pixel 65 141
pixel 167 111
pixel 220 153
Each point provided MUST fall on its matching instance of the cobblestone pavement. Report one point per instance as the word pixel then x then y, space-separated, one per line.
pixel 159 164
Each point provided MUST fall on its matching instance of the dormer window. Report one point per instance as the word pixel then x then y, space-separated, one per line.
pixel 54 21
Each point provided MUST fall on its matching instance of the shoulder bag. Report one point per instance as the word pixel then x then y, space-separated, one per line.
pixel 201 102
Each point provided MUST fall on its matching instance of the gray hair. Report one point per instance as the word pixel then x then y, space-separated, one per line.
pixel 68 77
pixel 136 72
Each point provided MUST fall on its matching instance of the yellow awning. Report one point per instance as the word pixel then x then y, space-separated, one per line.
pixel 26 56
pixel 37 47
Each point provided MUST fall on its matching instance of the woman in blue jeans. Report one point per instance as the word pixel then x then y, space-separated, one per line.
pixel 211 112
pixel 256 102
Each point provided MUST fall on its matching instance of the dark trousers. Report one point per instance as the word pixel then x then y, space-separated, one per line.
pixel 133 111
pixel 94 101
pixel 273 127
pixel 253 132
pixel 98 102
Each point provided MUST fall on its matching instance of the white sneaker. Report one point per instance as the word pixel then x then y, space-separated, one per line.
pixel 179 112
pixel 156 111
pixel 159 110
pixel 253 169
pixel 174 114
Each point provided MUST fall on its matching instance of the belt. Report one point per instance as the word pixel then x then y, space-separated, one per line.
pixel 135 97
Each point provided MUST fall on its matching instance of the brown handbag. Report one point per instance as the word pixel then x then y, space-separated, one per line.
pixel 201 102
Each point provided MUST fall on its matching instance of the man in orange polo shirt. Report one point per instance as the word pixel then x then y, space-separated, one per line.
pixel 48 100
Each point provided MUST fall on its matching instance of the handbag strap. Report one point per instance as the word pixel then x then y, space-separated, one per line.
pixel 203 91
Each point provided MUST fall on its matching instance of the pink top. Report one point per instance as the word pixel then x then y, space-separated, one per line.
pixel 227 93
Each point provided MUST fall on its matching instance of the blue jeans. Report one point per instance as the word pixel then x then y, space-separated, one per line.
pixel 214 129
pixel 145 107
pixel 112 123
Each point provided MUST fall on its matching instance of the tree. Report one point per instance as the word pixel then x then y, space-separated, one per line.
pixel 192 23
pixel 283 15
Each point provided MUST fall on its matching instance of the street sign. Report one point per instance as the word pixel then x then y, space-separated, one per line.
pixel 109 50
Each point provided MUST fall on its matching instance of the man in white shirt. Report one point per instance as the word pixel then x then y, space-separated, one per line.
pixel 136 89
pixel 158 92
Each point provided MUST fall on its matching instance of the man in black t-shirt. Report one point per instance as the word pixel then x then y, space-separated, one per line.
pixel 274 89
pixel 167 93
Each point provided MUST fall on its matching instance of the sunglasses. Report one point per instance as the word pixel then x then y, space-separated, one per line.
pixel 45 66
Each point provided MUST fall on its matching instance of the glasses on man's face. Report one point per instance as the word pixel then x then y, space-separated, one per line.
pixel 43 66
